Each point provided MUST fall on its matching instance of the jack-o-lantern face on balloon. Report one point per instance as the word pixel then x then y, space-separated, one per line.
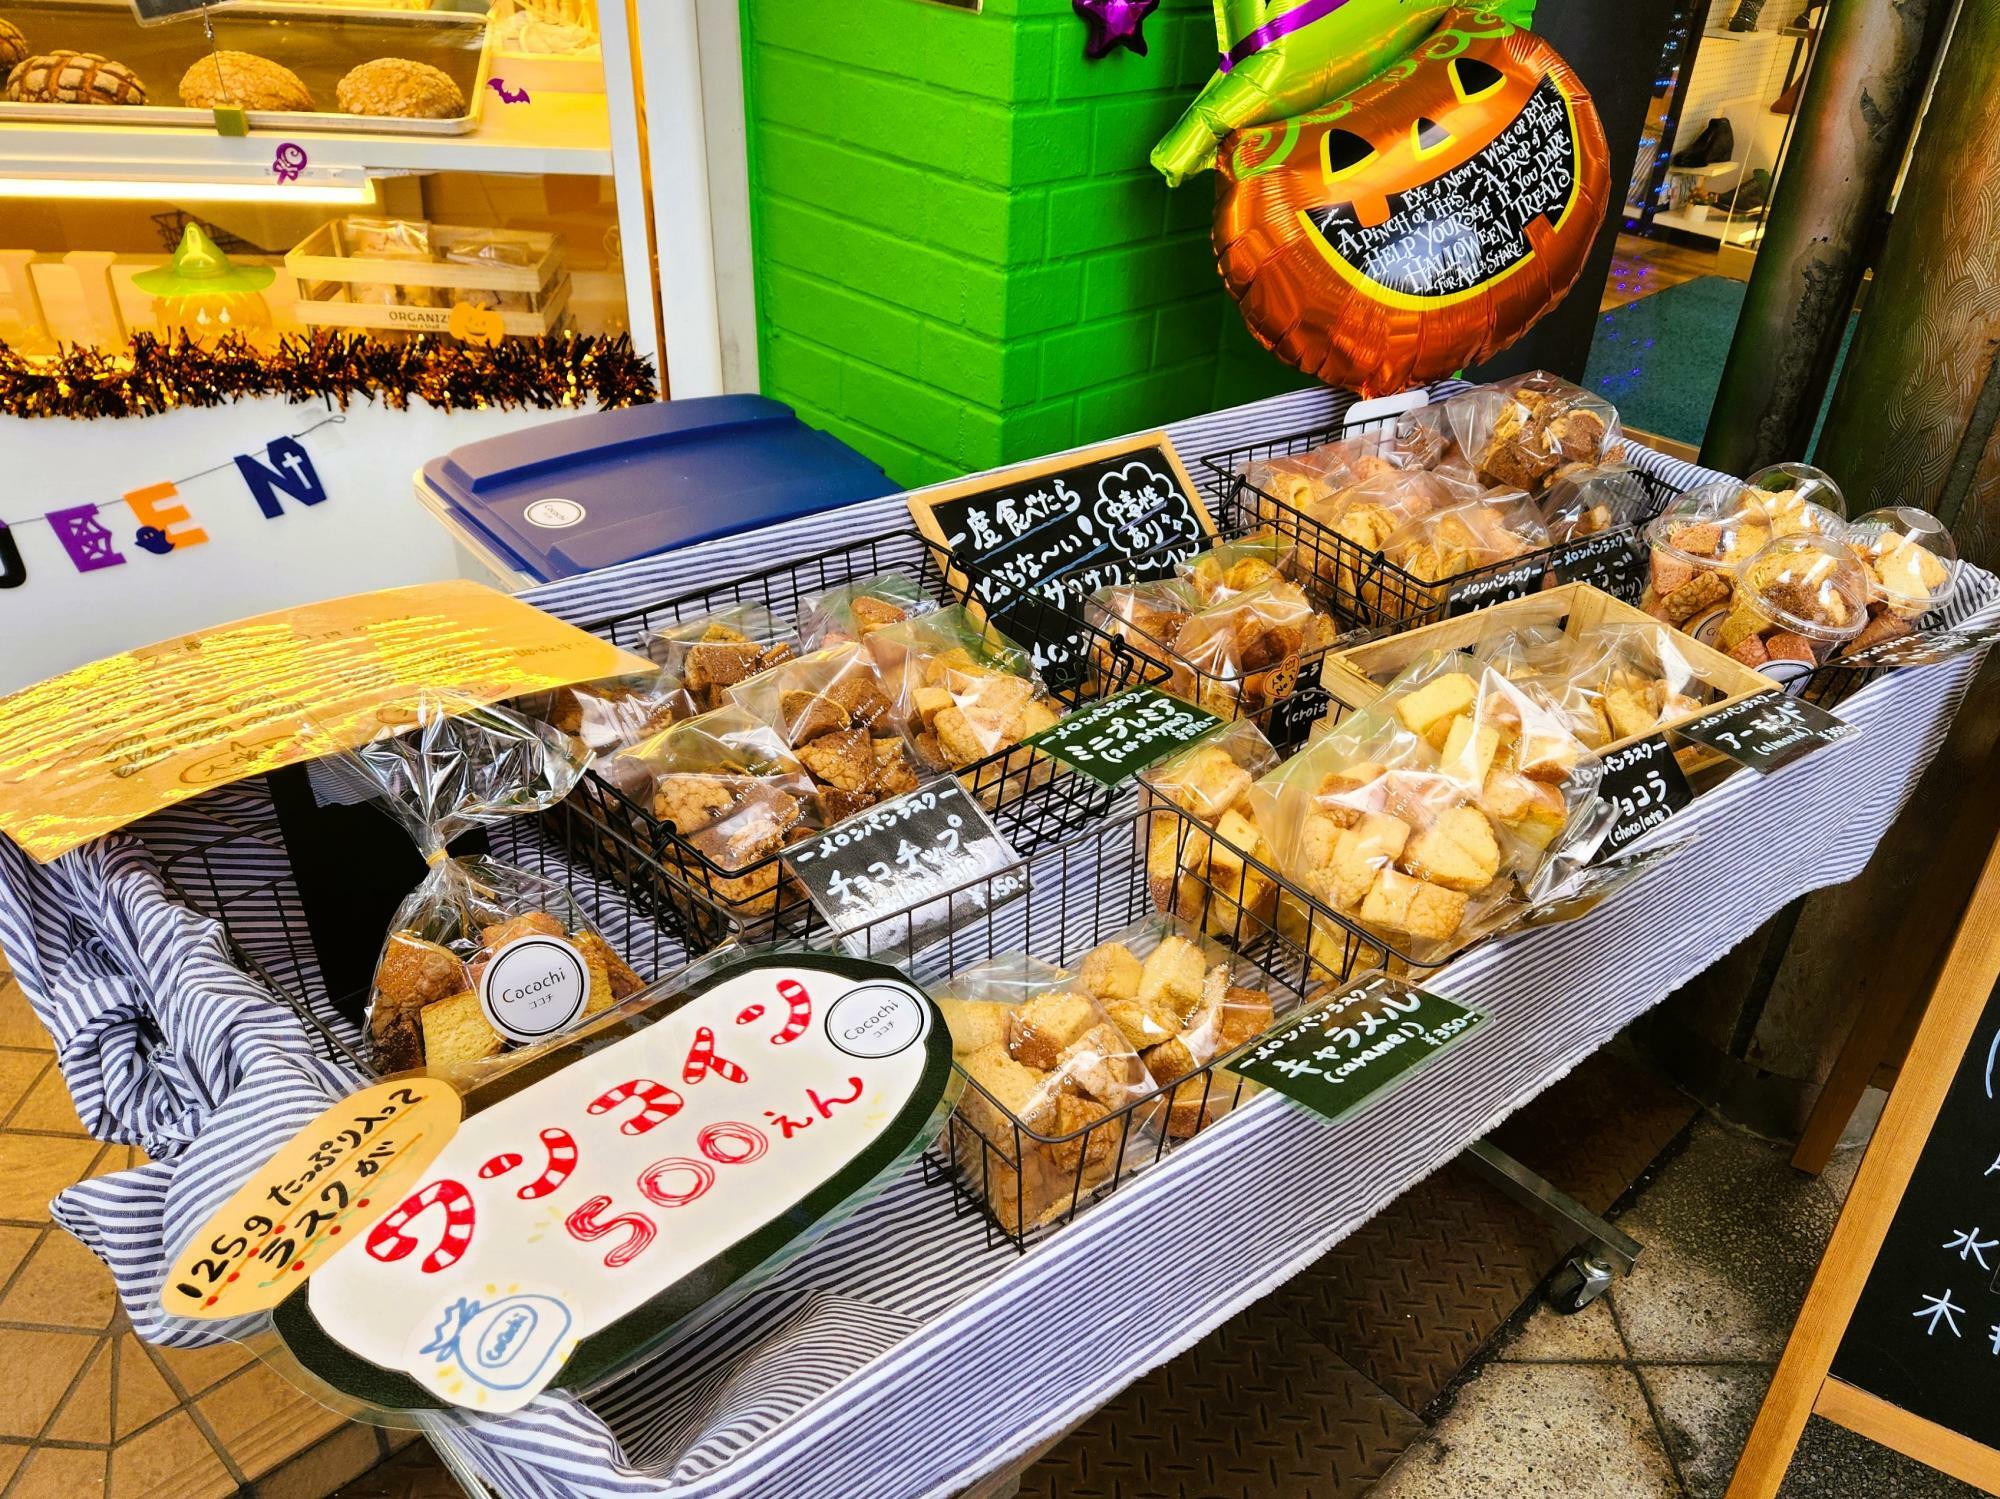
pixel 1422 222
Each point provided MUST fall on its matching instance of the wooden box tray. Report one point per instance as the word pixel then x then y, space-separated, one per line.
pixel 326 275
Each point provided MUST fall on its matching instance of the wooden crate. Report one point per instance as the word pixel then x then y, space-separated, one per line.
pixel 1355 678
pixel 325 274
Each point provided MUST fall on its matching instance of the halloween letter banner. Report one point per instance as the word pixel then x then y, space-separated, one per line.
pixel 157 520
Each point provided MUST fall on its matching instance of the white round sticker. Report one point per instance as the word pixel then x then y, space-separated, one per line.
pixel 534 987
pixel 553 515
pixel 876 1020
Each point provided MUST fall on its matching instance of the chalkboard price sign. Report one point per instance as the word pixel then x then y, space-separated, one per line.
pixel 1768 730
pixel 1337 1055
pixel 1292 718
pixel 1644 782
pixel 1614 561
pixel 1113 740
pixel 1927 648
pixel 910 854
pixel 1037 540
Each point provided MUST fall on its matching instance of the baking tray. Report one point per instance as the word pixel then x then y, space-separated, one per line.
pixel 317 42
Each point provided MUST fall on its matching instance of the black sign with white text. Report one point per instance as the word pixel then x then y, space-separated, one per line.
pixel 1058 534
pixel 1113 740
pixel 1614 561
pixel 1768 730
pixel 907 855
pixel 1644 782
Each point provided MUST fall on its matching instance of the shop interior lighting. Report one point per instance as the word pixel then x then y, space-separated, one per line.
pixel 352 192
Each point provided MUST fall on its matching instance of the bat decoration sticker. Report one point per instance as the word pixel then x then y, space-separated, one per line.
pixel 1405 188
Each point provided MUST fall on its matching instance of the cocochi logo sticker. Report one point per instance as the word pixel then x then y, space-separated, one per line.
pixel 600 1192
pixel 534 987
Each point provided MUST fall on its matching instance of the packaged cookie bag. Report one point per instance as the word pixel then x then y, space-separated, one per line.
pixel 964 693
pixel 711 653
pixel 1585 501
pixel 735 795
pixel 481 956
pixel 1048 1115
pixel 854 611
pixel 834 711
pixel 614 714
pixel 1426 819
pixel 1525 432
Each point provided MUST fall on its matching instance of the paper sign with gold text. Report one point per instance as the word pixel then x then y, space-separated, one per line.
pixel 89 751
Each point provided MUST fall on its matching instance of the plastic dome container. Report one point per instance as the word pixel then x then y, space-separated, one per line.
pixel 1803 482
pixel 1796 602
pixel 1910 559
pixel 1699 540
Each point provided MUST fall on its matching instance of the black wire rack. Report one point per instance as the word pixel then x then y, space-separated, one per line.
pixel 1081 892
pixel 233 867
pixel 1031 797
pixel 1362 587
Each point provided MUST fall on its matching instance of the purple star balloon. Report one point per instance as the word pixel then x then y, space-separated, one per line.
pixel 1114 23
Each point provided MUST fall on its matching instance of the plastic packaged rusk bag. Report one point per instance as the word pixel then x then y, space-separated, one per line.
pixel 1427 819
pixel 854 611
pixel 710 653
pixel 441 1246
pixel 614 714
pixel 481 956
pixel 965 692
pixel 734 794
pixel 1232 567
pixel 1581 502
pixel 834 710
pixel 1523 432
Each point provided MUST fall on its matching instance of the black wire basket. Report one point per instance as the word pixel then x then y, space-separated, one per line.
pixel 1361 586
pixel 1031 797
pixel 231 864
pixel 1081 892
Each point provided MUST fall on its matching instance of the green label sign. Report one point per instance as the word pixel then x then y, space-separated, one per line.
pixel 1337 1055
pixel 1112 741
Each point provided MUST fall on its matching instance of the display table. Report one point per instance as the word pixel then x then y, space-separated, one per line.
pixel 907 1353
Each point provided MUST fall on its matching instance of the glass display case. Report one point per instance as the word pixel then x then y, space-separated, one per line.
pixel 384 168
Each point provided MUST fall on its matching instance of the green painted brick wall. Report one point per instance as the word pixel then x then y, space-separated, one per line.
pixel 962 256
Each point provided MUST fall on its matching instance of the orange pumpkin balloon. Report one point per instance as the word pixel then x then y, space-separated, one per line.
pixel 1424 221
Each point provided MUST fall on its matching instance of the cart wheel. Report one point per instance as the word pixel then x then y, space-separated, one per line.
pixel 1582 1279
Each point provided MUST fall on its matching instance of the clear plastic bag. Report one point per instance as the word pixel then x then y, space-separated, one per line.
pixel 964 693
pixel 1443 544
pixel 614 714
pixel 1582 502
pixel 1043 1058
pixel 711 653
pixel 1234 567
pixel 464 766
pixel 1523 432
pixel 1427 818
pixel 367 238
pixel 1176 997
pixel 1206 880
pixel 854 611
pixel 837 714
pixel 1615 682
pixel 729 785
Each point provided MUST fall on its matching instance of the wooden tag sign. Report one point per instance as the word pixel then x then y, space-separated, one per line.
pixel 1038 539
pixel 1899 1338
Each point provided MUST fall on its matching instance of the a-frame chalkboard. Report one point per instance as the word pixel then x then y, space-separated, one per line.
pixel 1038 539
pixel 1899 1338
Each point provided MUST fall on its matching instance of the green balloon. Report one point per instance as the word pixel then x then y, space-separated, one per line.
pixel 1284 57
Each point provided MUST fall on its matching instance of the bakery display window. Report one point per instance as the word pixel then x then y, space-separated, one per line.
pixel 384 169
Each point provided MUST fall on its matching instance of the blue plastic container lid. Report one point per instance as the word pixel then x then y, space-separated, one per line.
pixel 591 491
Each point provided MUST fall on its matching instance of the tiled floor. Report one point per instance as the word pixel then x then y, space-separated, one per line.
pixel 85 1407
pixel 1650 1393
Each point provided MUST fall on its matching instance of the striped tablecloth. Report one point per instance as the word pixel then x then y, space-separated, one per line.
pixel 904 1355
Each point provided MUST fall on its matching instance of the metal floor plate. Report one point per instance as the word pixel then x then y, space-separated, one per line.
pixel 1257 1410
pixel 1317 1389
